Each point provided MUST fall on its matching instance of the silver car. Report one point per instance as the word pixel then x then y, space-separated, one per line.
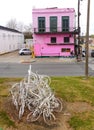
pixel 25 51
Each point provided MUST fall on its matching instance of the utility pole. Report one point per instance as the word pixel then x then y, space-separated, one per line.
pixel 78 22
pixel 87 39
pixel 78 48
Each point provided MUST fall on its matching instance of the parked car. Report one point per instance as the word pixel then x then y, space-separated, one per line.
pixel 83 53
pixel 92 53
pixel 25 51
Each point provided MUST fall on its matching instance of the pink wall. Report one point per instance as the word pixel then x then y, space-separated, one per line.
pixel 53 12
pixel 52 50
pixel 45 38
pixel 41 41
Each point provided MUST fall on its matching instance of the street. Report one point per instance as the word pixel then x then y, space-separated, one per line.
pixel 11 66
pixel 51 69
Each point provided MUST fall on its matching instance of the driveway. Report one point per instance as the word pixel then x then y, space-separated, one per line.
pixel 14 57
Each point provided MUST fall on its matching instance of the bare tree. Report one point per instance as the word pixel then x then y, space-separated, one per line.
pixel 28 31
pixel 12 24
pixel 20 27
pixel 28 28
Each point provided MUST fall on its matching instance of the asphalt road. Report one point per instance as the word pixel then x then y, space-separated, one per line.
pixel 51 69
pixel 12 65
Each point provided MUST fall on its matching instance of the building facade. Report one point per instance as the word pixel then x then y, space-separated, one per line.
pixel 10 40
pixel 54 31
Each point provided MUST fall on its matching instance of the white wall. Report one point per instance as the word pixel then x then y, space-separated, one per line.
pixel 10 41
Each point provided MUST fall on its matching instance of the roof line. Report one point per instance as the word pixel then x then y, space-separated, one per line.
pixel 9 29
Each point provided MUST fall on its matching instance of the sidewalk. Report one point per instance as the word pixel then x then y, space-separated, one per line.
pixel 50 59
pixel 14 57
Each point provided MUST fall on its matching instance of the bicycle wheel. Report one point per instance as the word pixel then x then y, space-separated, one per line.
pixel 34 116
pixel 49 118
pixel 15 93
pixel 15 88
pixel 58 107
pixel 45 79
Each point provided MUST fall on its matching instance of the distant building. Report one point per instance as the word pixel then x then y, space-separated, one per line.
pixel 90 43
pixel 29 42
pixel 54 31
pixel 10 39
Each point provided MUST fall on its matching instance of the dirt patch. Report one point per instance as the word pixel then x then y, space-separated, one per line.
pixel 61 122
pixel 79 107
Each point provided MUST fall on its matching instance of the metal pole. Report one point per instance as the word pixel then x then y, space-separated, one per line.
pixel 78 50
pixel 87 39
pixel 78 19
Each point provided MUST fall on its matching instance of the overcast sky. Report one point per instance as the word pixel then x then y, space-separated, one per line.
pixel 21 10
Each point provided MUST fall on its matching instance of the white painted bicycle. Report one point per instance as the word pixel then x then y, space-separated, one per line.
pixel 34 93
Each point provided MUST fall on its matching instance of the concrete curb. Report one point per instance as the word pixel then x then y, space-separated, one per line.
pixel 68 60
pixel 27 61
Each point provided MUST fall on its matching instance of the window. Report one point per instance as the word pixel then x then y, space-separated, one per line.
pixel 66 39
pixel 41 24
pixel 65 23
pixel 53 24
pixel 65 50
pixel 53 39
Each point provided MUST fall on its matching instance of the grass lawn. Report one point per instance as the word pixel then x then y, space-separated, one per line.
pixel 70 89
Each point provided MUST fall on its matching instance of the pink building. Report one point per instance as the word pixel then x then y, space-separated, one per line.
pixel 54 31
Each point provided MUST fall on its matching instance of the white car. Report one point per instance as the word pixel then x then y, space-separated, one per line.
pixel 25 51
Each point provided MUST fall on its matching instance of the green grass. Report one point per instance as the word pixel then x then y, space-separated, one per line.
pixel 74 88
pixel 5 84
pixel 71 89
pixel 83 121
pixel 5 80
pixel 5 120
